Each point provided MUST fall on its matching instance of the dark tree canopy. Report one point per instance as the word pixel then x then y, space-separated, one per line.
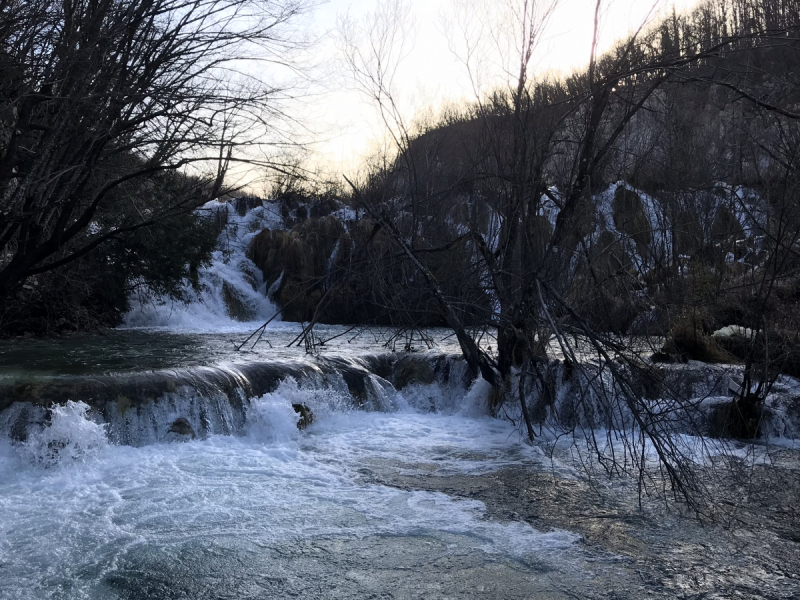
pixel 98 97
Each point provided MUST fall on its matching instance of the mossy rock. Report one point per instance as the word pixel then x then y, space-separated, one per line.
pixel 303 256
pixel 267 251
pixel 237 307
pixel 630 219
pixel 306 416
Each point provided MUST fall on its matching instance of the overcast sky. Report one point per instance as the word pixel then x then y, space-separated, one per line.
pixel 346 124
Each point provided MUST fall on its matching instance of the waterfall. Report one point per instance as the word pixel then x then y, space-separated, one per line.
pixel 142 408
pixel 231 294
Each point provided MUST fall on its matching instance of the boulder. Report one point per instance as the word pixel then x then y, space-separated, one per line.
pixel 306 416
pixel 182 427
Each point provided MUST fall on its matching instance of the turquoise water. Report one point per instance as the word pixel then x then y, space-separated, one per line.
pixel 128 350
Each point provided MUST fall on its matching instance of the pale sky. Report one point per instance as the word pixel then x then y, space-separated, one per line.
pixel 345 123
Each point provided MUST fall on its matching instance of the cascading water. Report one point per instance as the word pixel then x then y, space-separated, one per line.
pixel 231 294
pixel 196 482
pixel 82 518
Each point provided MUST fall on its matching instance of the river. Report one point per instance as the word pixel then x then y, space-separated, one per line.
pixel 402 487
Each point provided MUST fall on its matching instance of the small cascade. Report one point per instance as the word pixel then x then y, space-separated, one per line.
pixel 231 288
pixel 143 408
pixel 672 398
pixel 257 398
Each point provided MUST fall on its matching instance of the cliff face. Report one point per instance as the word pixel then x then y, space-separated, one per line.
pixel 323 257
pixel 297 262
pixel 327 259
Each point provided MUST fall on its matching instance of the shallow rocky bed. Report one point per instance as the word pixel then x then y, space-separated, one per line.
pixel 747 546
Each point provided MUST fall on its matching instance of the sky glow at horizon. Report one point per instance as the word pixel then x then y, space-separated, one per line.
pixel 344 126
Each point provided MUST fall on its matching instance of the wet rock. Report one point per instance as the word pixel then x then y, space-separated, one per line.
pixel 356 385
pixel 322 207
pixel 650 321
pixel 413 369
pixel 238 308
pixel 250 273
pixel 689 336
pixel 647 381
pixel 19 428
pixel 123 404
pixel 743 343
pixel 306 416
pixel 301 258
pixel 665 357
pixel 740 418
pixel 182 427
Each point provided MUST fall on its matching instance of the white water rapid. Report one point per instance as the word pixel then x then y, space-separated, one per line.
pixel 231 294
pixel 259 515
pixel 163 462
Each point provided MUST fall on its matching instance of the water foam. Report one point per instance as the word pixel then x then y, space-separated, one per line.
pixel 271 418
pixel 66 530
pixel 71 437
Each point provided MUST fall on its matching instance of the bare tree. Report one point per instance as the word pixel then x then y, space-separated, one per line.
pixel 373 53
pixel 546 148
pixel 99 94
